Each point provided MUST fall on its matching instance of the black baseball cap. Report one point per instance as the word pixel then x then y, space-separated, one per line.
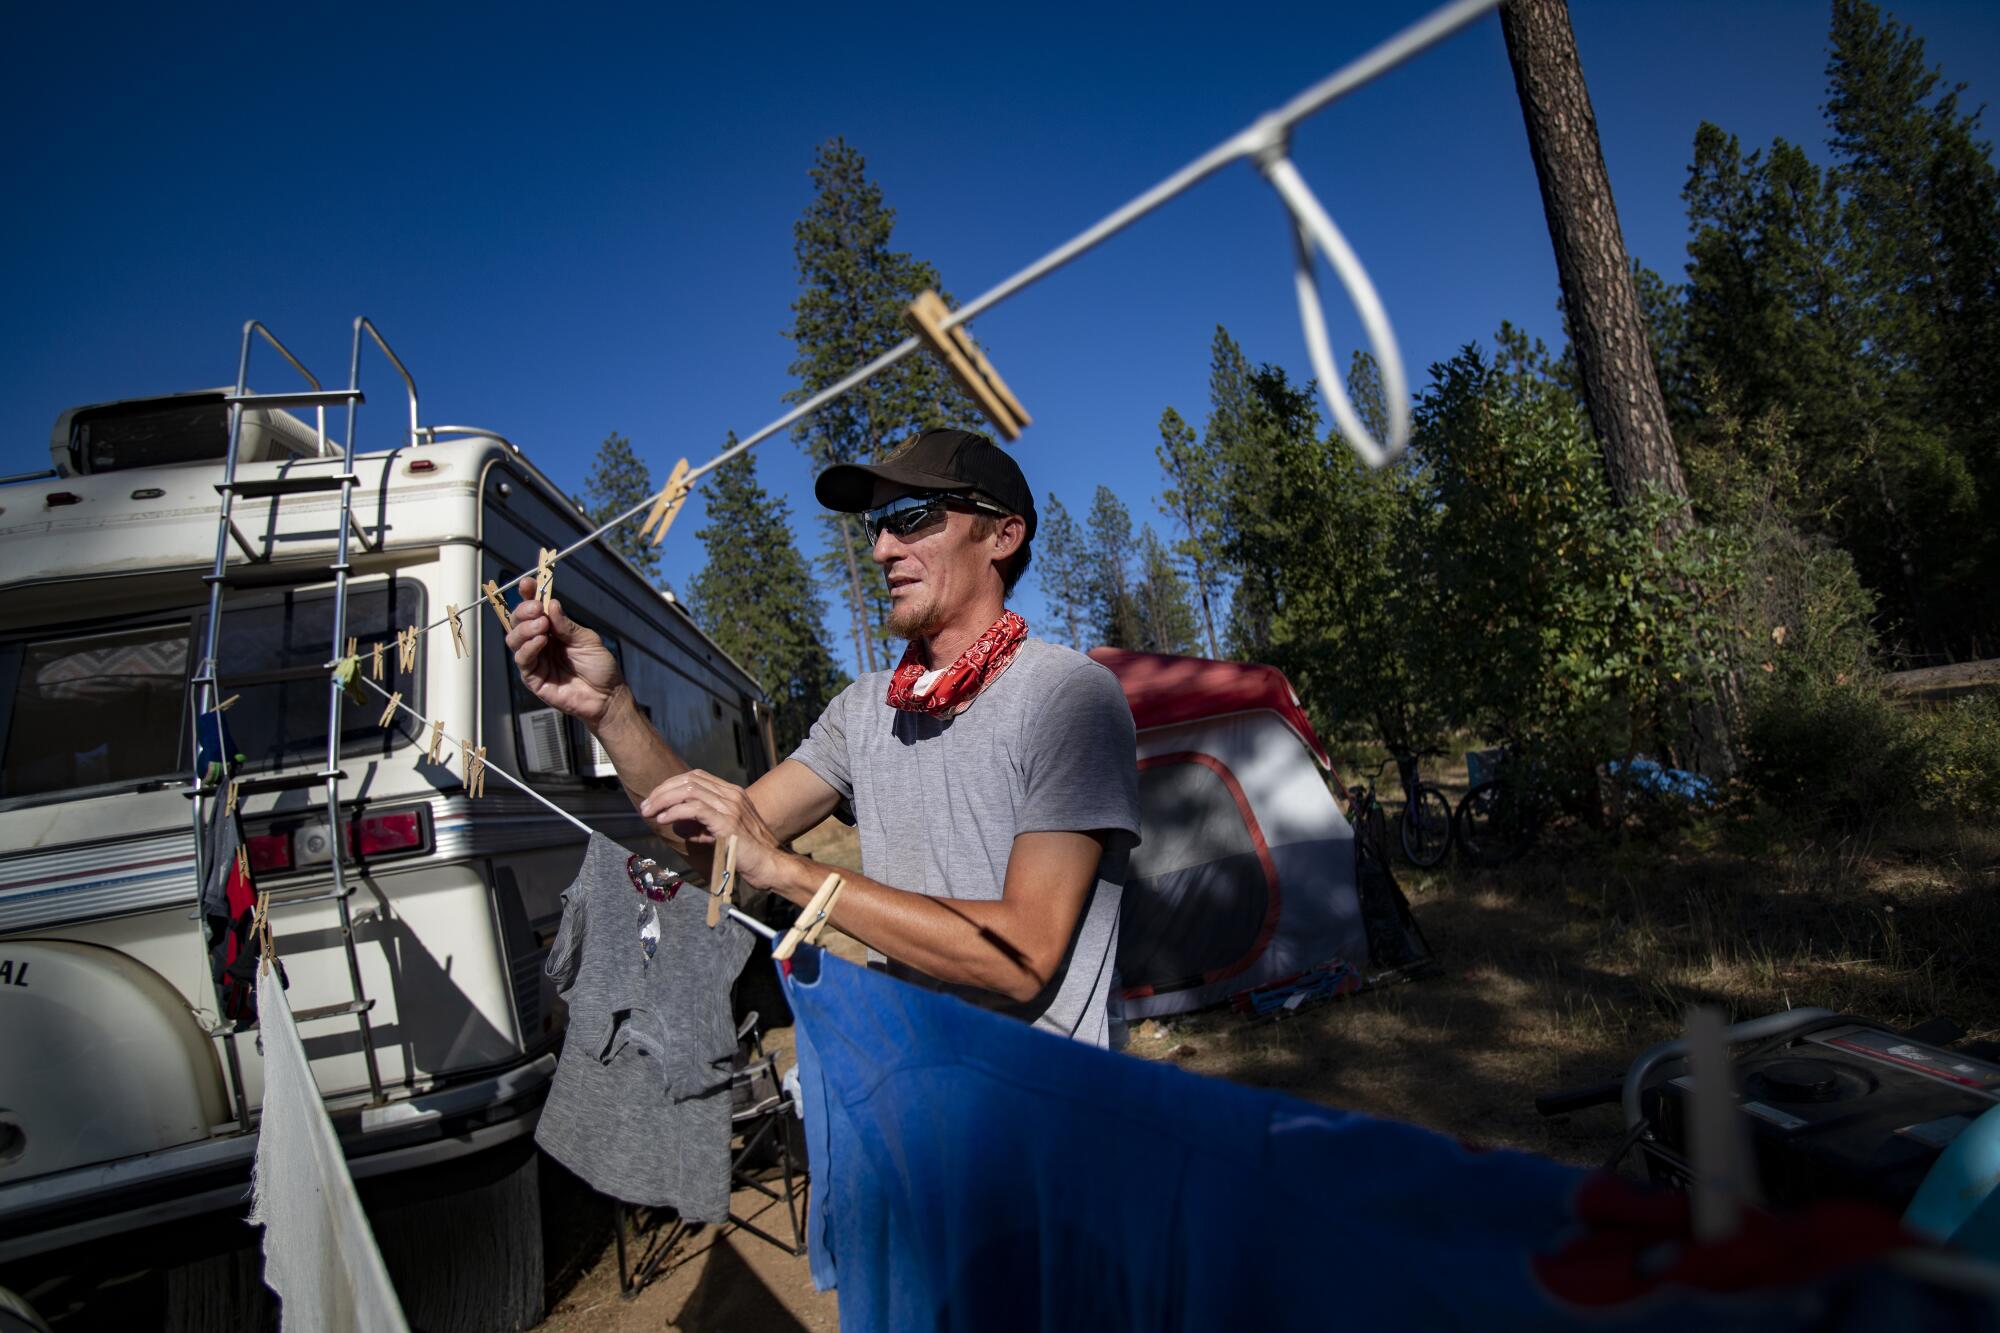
pixel 936 460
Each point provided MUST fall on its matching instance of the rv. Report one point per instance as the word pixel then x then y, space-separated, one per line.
pixel 412 924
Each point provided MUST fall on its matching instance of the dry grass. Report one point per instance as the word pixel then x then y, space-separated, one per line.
pixel 1560 968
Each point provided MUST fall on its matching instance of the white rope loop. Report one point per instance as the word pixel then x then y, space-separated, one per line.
pixel 1310 225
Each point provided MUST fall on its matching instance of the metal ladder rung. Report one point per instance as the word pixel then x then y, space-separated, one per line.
pixel 297 398
pixel 261 489
pixel 286 782
pixel 332 1011
pixel 331 895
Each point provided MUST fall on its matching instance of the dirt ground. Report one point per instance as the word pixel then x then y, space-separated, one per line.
pixel 1553 973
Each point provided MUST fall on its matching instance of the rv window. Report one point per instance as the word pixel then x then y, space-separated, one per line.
pixel 274 657
pixel 117 439
pixel 94 709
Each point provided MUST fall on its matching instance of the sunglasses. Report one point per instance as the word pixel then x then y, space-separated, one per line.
pixel 910 514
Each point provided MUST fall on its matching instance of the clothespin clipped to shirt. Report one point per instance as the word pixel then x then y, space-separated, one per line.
pixel 667 503
pixel 967 364
pixel 812 919
pixel 472 764
pixel 243 862
pixel 229 805
pixel 228 703
pixel 260 930
pixel 406 649
pixel 724 892
pixel 354 647
pixel 458 648
pixel 389 713
pixel 376 671
pixel 437 743
pixel 499 601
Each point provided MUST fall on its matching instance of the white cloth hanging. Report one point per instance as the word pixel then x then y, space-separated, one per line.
pixel 319 1253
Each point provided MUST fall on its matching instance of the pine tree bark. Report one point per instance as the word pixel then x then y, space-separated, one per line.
pixel 1607 327
pixel 1621 388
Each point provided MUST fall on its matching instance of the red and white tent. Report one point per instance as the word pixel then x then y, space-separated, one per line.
pixel 1246 873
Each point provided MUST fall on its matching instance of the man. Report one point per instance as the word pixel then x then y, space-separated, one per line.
pixel 992 776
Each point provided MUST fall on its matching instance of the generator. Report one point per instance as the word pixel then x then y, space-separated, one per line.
pixel 1834 1106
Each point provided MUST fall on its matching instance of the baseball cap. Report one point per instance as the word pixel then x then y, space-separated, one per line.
pixel 936 460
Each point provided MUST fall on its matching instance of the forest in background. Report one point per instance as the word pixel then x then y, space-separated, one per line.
pixel 1828 363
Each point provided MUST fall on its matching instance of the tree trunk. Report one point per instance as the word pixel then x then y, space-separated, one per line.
pixel 1621 388
pixel 857 601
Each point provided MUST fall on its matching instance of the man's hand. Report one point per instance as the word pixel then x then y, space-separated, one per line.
pixel 695 808
pixel 565 665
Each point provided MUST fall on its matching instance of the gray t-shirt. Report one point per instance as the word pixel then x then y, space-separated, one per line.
pixel 1048 747
pixel 640 1104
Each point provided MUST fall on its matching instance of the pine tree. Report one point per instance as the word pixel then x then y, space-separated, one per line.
pixel 756 598
pixel 1166 616
pixel 618 480
pixel 1115 611
pixel 1862 300
pixel 853 290
pixel 1062 565
pixel 1194 498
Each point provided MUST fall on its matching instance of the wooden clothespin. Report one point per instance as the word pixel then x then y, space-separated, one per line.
pixel 499 601
pixel 811 919
pixel 406 649
pixel 458 648
pixel 377 651
pixel 545 575
pixel 243 862
pixel 228 703
pixel 389 713
pixel 667 503
pixel 724 892
pixel 437 743
pixel 967 364
pixel 472 764
pixel 354 647
pixel 260 930
pixel 229 805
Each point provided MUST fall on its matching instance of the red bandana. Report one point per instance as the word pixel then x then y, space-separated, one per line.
pixel 962 682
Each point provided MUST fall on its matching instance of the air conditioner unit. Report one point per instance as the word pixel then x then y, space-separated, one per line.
pixel 598 763
pixel 544 744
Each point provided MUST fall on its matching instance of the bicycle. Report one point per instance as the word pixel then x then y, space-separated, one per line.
pixel 1425 828
pixel 1364 812
pixel 1501 816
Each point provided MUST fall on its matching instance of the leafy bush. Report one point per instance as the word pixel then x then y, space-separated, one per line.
pixel 1824 753
pixel 1960 745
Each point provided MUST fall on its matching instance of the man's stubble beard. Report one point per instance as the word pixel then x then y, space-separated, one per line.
pixel 916 622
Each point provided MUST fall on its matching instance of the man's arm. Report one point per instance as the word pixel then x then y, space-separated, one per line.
pixel 567 667
pixel 1013 946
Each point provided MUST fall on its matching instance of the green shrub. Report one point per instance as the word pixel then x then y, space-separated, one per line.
pixel 1960 745
pixel 1823 753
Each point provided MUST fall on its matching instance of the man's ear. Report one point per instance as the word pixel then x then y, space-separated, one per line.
pixel 1008 534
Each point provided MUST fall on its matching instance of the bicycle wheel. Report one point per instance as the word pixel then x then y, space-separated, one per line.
pixel 1426 826
pixel 1491 828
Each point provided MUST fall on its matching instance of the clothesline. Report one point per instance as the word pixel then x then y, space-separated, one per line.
pixel 396 704
pixel 1264 142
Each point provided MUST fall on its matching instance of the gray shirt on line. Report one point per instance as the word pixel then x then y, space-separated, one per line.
pixel 1048 747
pixel 640 1105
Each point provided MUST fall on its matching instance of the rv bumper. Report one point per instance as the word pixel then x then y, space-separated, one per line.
pixel 85 1203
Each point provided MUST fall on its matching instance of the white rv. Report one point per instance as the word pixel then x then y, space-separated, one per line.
pixel 127 1097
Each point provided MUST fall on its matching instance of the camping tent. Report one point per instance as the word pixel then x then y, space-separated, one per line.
pixel 1247 872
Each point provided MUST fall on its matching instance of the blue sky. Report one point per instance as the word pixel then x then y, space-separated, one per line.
pixel 577 219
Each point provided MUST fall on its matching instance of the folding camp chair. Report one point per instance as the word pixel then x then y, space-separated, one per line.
pixel 763 1123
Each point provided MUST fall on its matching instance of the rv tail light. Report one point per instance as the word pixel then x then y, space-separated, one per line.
pixel 56 498
pixel 383 834
pixel 269 852
pixel 422 465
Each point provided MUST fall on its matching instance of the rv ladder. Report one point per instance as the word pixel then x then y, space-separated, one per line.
pixel 208 677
